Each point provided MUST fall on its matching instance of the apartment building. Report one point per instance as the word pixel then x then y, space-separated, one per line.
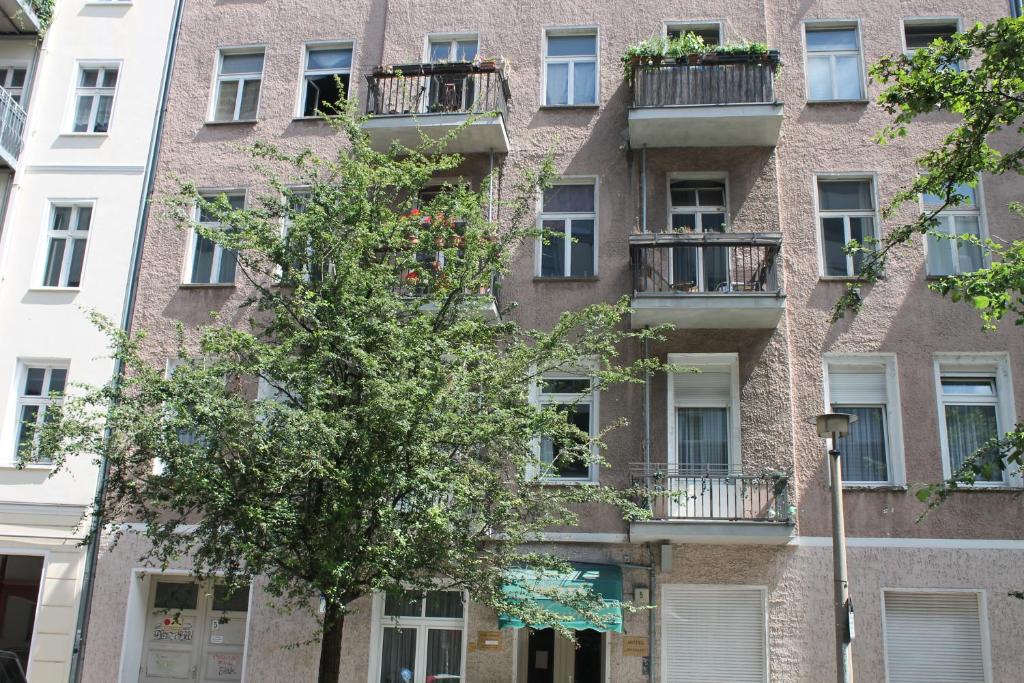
pixel 75 170
pixel 718 196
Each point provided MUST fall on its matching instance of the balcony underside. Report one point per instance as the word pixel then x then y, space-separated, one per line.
pixel 17 18
pixel 714 532
pixel 715 125
pixel 485 305
pixel 709 310
pixel 485 134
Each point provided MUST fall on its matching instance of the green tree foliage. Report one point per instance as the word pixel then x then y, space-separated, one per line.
pixel 397 448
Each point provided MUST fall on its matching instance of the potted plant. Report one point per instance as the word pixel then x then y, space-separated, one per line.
pixel 649 52
pixel 689 47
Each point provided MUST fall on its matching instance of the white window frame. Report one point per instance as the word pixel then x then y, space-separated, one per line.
pixel 986 636
pixel 874 213
pixel 729 362
pixel 716 176
pixel 557 32
pixel 994 365
pixel 826 24
pixel 7 69
pixel 892 409
pixel 43 401
pixel 684 25
pixel 451 39
pixel 593 181
pixel 95 93
pixel 379 621
pixel 219 78
pixel 978 211
pixel 218 249
pixel 305 71
pixel 955 21
pixel 593 398
pixel 67 235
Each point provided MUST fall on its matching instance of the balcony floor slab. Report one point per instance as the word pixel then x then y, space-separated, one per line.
pixel 713 532
pixel 716 125
pixel 486 133
pixel 711 310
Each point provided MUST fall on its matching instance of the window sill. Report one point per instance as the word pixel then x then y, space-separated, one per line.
pixel 569 107
pixel 74 134
pixel 32 467
pixel 568 482
pixel 886 488
pixel 207 285
pixel 244 122
pixel 841 278
pixel 55 290
pixel 826 102
pixel 544 278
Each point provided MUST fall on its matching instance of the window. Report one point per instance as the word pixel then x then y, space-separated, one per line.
pixel 975 405
pixel 20 578
pixel 40 386
pixel 68 233
pixel 420 637
pixel 703 413
pixel 710 31
pixel 714 633
pixel 239 75
pixel 865 385
pixel 569 209
pixel 935 636
pixel 948 255
pixel 699 206
pixel 452 48
pixel 570 69
pixel 210 262
pixel 572 394
pixel 323 65
pixel 94 98
pixel 920 33
pixel 448 92
pixel 846 207
pixel 12 79
pixel 833 64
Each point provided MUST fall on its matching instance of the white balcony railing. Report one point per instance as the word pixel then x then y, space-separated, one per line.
pixel 12 128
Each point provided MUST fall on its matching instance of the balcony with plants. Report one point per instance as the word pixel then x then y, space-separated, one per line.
pixel 685 93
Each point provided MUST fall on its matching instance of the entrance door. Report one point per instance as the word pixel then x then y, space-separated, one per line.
pixel 193 633
pixel 552 658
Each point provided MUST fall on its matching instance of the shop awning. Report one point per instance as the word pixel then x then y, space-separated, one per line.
pixel 605 580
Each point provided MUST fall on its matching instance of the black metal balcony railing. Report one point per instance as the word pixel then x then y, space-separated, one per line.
pixel 460 88
pixel 705 263
pixel 684 493
pixel 672 84
pixel 12 127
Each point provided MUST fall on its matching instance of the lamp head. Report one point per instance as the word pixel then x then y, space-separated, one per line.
pixel 833 424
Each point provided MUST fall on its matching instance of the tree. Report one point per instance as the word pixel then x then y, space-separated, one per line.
pixel 989 98
pixel 393 446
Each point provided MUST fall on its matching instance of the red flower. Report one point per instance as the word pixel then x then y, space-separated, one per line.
pixel 412 276
pixel 414 212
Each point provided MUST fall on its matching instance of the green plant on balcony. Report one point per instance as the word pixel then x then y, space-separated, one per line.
pixel 688 48
pixel 647 52
pixel 44 10
pixel 686 44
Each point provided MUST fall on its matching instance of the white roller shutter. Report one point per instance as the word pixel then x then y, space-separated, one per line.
pixel 708 386
pixel 933 638
pixel 863 386
pixel 714 634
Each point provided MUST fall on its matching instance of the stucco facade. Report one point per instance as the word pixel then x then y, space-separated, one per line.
pixel 971 544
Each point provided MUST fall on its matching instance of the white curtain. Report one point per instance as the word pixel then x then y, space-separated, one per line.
pixel 703 439
pixel 864 449
pixel 968 427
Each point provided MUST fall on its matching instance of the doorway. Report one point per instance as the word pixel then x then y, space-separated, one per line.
pixel 20 576
pixel 552 658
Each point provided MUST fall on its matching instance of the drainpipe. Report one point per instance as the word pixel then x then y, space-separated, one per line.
pixel 643 188
pixel 490 188
pixel 651 617
pixel 127 314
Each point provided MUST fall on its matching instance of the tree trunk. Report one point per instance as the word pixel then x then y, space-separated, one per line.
pixel 330 647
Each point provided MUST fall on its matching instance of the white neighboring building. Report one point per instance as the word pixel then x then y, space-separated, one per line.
pixel 72 203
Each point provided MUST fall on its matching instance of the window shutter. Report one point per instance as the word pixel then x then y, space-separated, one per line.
pixel 933 638
pixel 708 385
pixel 847 386
pixel 714 634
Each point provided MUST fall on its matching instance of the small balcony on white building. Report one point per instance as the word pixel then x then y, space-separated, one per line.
pixel 12 129
pixel 466 101
pixel 706 280
pixel 18 18
pixel 723 101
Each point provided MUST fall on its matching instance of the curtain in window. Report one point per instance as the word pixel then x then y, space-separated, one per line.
pixel 703 439
pixel 864 449
pixel 968 427
pixel 398 656
pixel 444 655
pixel 558 84
pixel 584 84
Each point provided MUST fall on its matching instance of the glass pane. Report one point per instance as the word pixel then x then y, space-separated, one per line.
pixel 970 386
pixel 712 222
pixel 34 381
pixel 569 199
pixel 329 58
pixel 441 51
pixel 465 50
pixel 242 64
pixel 84 217
pixel 684 269
pixel 564 385
pixel 968 427
pixel 935 201
pixel 103 114
pixel 77 258
pixel 176 595
pixel 566 46
pixel 833 241
pixel 940 251
pixel 819 78
pixel 17 78
pixel 228 260
pixel 969 254
pixel 58 378
pixel 552 251
pixel 236 602
pixel 82 113
pixel 922 35
pixel 202 260
pixel 250 100
pixel 444 656
pixel 711 197
pixel 584 88
pixel 831 39
pixel 551 451
pixel 683 196
pixel 848 79
pixel 703 439
pixel 716 269
pixel 861 228
pixel 581 259
pixel 558 84
pixel 89 78
pixel 444 604
pixel 27 427
pixel 61 217
pixel 226 96
pixel 235 202
pixel 54 263
pixel 684 221
pixel 403 605
pixel 322 91
pixel 845 195
pixel 398 656
pixel 865 448
pixel 109 78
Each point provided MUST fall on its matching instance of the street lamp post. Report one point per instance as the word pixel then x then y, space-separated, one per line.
pixel 836 426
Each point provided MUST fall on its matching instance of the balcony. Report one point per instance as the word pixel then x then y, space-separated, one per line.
pixel 409 101
pixel 12 129
pixel 707 280
pixel 690 506
pixel 18 18
pixel 726 103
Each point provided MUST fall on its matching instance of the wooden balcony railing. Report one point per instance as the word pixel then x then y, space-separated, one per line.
pixel 684 493
pixel 727 81
pixel 457 88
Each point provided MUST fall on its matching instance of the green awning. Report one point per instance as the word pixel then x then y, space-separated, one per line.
pixel 605 580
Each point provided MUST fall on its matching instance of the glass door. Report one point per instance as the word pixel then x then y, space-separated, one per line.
pixel 699 206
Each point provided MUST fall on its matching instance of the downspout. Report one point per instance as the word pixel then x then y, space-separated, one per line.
pixel 127 314
pixel 643 188
pixel 490 188
pixel 653 574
